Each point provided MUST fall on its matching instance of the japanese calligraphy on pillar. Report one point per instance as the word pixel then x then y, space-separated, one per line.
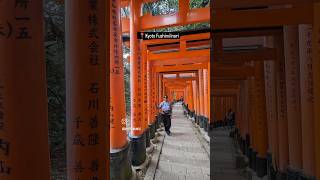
pixel 292 66
pixel 293 94
pixel 19 27
pixel 260 104
pixel 307 64
pixel 5 167
pixel 153 76
pixel 140 86
pixel 283 106
pixel 145 87
pixel 15 27
pixel 116 64
pixel 87 136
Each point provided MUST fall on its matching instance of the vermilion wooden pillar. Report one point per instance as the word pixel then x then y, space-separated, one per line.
pixel 190 86
pixel 137 134
pixel 209 94
pixel 150 103
pixel 307 99
pixel 293 96
pixel 86 78
pixel 316 83
pixel 135 69
pixel 149 92
pixel 246 116
pixel 281 106
pixel 24 146
pixel 118 137
pixel 153 94
pixel 120 166
pixel 202 103
pixel 252 124
pixel 194 95
pixel 271 105
pixel 158 79
pixel 205 92
pixel 201 92
pixel 145 126
pixel 191 107
pixel 144 87
pixel 260 118
pixel 242 110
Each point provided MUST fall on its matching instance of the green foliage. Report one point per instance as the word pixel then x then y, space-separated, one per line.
pixel 55 63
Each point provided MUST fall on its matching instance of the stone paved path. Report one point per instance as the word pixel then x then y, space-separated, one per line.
pixel 223 151
pixel 182 157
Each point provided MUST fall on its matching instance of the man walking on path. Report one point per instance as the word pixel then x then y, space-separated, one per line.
pixel 166 110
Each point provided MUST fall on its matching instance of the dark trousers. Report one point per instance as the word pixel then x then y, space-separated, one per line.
pixel 166 121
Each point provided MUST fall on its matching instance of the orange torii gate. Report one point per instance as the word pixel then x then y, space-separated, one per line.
pixel 147 66
pixel 120 165
pixel 24 146
pixel 291 122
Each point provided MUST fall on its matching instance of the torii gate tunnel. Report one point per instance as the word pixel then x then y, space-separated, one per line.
pixel 178 68
pixel 261 59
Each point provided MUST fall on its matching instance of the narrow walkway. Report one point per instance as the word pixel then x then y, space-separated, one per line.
pixel 182 157
pixel 223 152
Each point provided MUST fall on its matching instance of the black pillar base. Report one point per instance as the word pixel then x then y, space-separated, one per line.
pixel 293 174
pixel 197 119
pixel 247 144
pixel 138 149
pixel 305 177
pixel 281 176
pixel 261 166
pixel 152 128
pixel 249 155
pixel 205 124
pixel 147 133
pixel 192 114
pixel 243 146
pixel 253 160
pixel 158 119
pixel 201 122
pixel 120 165
pixel 210 127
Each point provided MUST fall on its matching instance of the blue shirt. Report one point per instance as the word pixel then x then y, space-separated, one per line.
pixel 165 106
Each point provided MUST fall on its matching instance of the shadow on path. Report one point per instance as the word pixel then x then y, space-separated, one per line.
pixel 223 156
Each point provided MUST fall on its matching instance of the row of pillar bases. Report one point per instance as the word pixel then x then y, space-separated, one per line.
pixel 133 154
pixel 263 166
pixel 201 121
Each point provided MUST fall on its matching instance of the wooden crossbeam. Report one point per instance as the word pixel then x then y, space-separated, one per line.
pixel 226 86
pixel 252 55
pixel 225 82
pixel 180 55
pixel 179 79
pixel 232 72
pixel 228 19
pixel 229 92
pixel 247 32
pixel 177 46
pixel 179 68
pixel 180 61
